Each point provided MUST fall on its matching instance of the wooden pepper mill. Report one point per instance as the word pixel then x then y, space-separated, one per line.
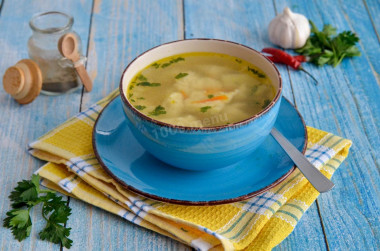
pixel 23 81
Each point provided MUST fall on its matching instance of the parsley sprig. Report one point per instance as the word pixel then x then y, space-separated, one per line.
pixel 256 72
pixel 323 48
pixel 181 75
pixel 146 83
pixel 158 111
pixel 205 108
pixel 174 60
pixel 24 197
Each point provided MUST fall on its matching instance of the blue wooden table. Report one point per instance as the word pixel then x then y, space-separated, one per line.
pixel 346 102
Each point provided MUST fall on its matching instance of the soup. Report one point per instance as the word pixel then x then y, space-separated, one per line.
pixel 200 89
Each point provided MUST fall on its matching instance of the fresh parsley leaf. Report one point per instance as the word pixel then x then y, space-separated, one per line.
pixel 25 191
pixel 210 96
pixel 165 65
pixel 141 98
pixel 205 108
pixel 238 60
pixel 156 65
pixel 266 103
pixel 256 72
pixel 20 218
pixel 181 75
pixel 353 51
pixel 148 84
pixel 140 107
pixel 323 47
pixel 25 196
pixel 57 234
pixel 328 30
pixel 175 60
pixel 158 111
pixel 141 78
pixel 55 207
pixel 19 222
pixel 56 212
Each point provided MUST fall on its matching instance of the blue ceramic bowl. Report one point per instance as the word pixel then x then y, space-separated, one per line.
pixel 203 148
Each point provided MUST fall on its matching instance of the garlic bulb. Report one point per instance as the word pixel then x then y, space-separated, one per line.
pixel 289 30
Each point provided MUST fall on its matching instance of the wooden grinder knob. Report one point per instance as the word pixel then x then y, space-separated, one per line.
pixel 23 81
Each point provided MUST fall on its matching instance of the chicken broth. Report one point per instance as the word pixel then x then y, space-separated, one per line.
pixel 200 90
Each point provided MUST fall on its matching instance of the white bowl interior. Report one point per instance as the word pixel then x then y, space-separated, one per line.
pixel 185 46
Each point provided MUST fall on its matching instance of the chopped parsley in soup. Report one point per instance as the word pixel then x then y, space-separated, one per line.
pixel 200 89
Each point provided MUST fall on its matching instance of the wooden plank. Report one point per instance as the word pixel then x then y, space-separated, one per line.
pixel 246 22
pixel 359 20
pixel 123 30
pixel 120 31
pixel 19 125
pixel 346 103
pixel 373 8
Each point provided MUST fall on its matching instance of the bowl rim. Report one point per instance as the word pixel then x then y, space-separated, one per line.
pixel 205 129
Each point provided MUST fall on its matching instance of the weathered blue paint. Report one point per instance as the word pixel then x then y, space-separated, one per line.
pixel 19 125
pixel 345 102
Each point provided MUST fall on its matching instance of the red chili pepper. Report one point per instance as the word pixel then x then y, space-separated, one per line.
pixel 274 59
pixel 279 56
pixel 283 57
pixel 300 58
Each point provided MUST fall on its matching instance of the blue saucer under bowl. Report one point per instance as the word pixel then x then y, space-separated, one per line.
pixel 123 158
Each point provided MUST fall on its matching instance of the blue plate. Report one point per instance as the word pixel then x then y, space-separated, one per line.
pixel 127 162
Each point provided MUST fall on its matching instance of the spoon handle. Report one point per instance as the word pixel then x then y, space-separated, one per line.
pixel 312 174
pixel 86 80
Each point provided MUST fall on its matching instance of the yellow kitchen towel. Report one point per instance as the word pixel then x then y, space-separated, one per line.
pixel 259 223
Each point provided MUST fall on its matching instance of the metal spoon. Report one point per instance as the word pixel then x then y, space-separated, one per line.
pixel 312 174
pixel 68 47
